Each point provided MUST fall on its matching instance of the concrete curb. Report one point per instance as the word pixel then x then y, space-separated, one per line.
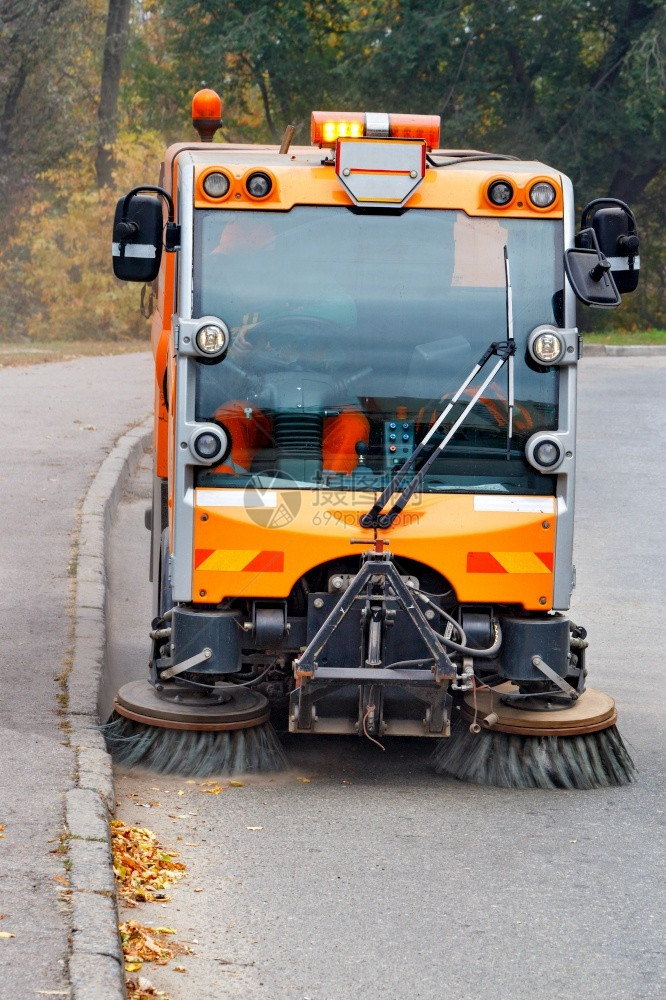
pixel 96 966
pixel 622 350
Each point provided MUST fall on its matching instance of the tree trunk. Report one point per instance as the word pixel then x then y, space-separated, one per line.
pixel 115 46
pixel 629 183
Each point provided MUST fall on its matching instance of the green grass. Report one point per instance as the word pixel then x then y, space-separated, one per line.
pixel 626 337
pixel 35 352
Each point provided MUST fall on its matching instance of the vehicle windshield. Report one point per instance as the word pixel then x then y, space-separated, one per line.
pixel 351 330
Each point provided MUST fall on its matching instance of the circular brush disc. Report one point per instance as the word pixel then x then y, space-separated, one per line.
pixel 593 711
pixel 243 709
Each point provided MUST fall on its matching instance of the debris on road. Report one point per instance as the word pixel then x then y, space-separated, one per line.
pixel 142 867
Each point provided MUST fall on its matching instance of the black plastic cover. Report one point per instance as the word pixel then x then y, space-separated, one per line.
pixel 523 638
pixel 219 631
pixel 617 238
pixel 591 278
pixel 137 239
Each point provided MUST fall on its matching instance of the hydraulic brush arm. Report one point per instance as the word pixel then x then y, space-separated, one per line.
pixel 369 520
pixel 386 520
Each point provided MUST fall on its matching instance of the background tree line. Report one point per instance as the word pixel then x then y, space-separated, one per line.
pixel 92 91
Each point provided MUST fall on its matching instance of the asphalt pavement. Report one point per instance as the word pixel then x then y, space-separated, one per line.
pixel 362 873
pixel 59 422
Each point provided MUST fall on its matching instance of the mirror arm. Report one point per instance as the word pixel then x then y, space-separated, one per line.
pixel 126 229
pixel 607 201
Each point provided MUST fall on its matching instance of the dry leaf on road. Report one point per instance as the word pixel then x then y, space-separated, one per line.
pixel 142 867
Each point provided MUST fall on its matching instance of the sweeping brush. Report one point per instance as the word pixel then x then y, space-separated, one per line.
pixel 232 738
pixel 576 748
pixel 192 752
pixel 509 760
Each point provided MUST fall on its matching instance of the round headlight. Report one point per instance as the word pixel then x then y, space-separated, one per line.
pixel 547 454
pixel 259 185
pixel 547 348
pixel 216 184
pixel 500 192
pixel 206 445
pixel 212 339
pixel 210 444
pixel 542 194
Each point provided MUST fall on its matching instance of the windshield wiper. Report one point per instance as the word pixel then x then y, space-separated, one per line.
pixel 503 350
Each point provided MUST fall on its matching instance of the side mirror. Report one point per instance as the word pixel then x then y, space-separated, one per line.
pixel 590 273
pixel 615 228
pixel 137 238
pixel 137 234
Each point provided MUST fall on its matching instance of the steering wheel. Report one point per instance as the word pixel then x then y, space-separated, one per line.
pixel 293 332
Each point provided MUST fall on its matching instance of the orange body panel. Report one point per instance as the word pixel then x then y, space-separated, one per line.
pixel 454 188
pixel 489 556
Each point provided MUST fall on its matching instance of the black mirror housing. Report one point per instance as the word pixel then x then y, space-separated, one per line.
pixel 137 238
pixel 615 229
pixel 591 278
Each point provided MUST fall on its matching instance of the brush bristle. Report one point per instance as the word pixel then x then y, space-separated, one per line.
pixel 507 760
pixel 191 752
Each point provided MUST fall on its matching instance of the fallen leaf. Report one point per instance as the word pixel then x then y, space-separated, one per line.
pixel 197 890
pixel 254 827
pixel 236 784
pixel 133 966
pixel 213 791
pixel 147 944
pixel 306 781
pixel 143 869
pixel 59 878
pixel 181 792
pixel 179 968
pixel 142 989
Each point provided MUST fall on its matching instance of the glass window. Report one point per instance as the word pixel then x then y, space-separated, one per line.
pixel 350 331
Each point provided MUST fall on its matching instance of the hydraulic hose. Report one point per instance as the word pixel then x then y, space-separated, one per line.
pixel 452 621
pixel 468 651
pixel 462 646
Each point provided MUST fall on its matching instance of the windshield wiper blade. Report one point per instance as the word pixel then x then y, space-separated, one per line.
pixel 374 518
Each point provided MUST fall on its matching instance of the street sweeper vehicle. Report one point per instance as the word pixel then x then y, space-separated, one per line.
pixel 365 442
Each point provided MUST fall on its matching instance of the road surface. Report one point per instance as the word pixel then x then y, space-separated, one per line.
pixel 377 878
pixel 59 422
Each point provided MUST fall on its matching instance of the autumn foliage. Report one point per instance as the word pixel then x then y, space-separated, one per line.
pixel 589 100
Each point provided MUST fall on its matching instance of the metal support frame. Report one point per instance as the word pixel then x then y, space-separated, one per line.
pixel 376 564
pixel 435 697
